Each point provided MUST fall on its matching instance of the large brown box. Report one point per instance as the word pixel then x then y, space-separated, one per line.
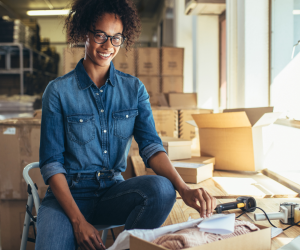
pixel 166 121
pixel 172 61
pixel 19 146
pixel 258 240
pixel 152 84
pixel 239 138
pixel 148 61
pixel 12 215
pixel 71 58
pixel 172 84
pixel 125 61
pixel 189 132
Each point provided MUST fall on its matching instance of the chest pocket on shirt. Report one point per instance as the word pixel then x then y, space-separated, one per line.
pixel 124 123
pixel 81 128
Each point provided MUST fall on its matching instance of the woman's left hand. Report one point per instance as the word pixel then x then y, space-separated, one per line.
pixel 207 202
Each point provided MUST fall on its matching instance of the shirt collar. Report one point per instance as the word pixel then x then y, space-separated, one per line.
pixel 84 81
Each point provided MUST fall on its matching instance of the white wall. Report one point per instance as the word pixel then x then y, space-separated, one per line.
pixel 207 61
pixel 248 53
pixel 52 27
pixel 183 39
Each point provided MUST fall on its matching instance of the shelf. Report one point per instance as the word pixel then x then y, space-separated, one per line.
pixel 17 71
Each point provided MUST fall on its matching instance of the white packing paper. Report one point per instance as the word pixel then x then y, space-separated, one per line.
pixel 223 224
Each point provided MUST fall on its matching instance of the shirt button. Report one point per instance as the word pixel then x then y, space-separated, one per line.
pixel 101 90
pixel 104 131
pixel 105 151
pixel 126 116
pixel 97 93
pixel 102 110
pixel 81 120
pixel 99 174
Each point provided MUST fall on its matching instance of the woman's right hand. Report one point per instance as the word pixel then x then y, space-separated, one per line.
pixel 87 236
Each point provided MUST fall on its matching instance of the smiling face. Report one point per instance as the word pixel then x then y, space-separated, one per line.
pixel 102 54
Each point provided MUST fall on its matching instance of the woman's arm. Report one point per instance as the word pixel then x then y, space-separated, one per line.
pixel 161 165
pixel 86 235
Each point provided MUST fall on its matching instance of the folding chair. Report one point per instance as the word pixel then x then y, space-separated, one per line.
pixel 34 199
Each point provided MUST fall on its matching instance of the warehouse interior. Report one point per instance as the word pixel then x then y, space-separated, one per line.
pixel 223 80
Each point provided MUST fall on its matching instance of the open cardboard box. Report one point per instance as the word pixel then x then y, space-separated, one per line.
pixel 259 240
pixel 238 138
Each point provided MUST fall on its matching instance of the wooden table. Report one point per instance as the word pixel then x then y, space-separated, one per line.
pixel 225 184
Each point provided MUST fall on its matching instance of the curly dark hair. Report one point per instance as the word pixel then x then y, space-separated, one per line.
pixel 84 14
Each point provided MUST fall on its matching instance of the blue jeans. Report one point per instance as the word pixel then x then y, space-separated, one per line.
pixel 141 202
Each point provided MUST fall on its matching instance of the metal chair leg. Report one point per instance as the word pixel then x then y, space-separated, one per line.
pixel 113 235
pixel 104 236
pixel 26 223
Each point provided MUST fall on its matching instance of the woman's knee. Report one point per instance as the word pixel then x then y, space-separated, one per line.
pixel 161 189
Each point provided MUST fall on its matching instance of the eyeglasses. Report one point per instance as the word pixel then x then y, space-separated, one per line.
pixel 101 37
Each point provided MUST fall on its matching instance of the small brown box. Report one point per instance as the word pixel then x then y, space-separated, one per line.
pixel 182 100
pixel 125 61
pixel 152 84
pixel 172 84
pixel 193 170
pixel 176 148
pixel 166 121
pixel 172 61
pixel 148 62
pixel 71 58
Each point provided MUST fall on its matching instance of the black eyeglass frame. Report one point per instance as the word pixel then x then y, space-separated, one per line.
pixel 107 36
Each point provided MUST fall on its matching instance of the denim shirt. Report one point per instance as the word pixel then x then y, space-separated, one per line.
pixel 86 129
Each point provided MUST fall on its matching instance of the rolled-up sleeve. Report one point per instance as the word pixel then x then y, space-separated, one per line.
pixel 144 129
pixel 52 138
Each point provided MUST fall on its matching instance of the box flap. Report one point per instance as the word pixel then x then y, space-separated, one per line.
pixel 254 114
pixel 182 100
pixel 267 119
pixel 172 141
pixel 222 120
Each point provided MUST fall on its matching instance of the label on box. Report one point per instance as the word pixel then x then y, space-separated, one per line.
pixel 9 131
pixel 187 165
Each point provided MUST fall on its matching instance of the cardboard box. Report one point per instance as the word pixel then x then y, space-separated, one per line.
pixel 172 84
pixel 258 240
pixel 166 121
pixel 71 58
pixel 148 62
pixel 193 170
pixel 182 100
pixel 12 215
pixel 19 146
pixel 189 132
pixel 176 148
pixel 238 138
pixel 153 86
pixel 125 61
pixel 172 61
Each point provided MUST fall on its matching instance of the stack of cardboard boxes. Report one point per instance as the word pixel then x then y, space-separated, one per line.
pixel 20 140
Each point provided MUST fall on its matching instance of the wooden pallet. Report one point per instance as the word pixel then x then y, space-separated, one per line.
pixel 227 184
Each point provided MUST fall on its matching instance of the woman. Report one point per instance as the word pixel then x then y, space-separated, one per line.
pixel 89 117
